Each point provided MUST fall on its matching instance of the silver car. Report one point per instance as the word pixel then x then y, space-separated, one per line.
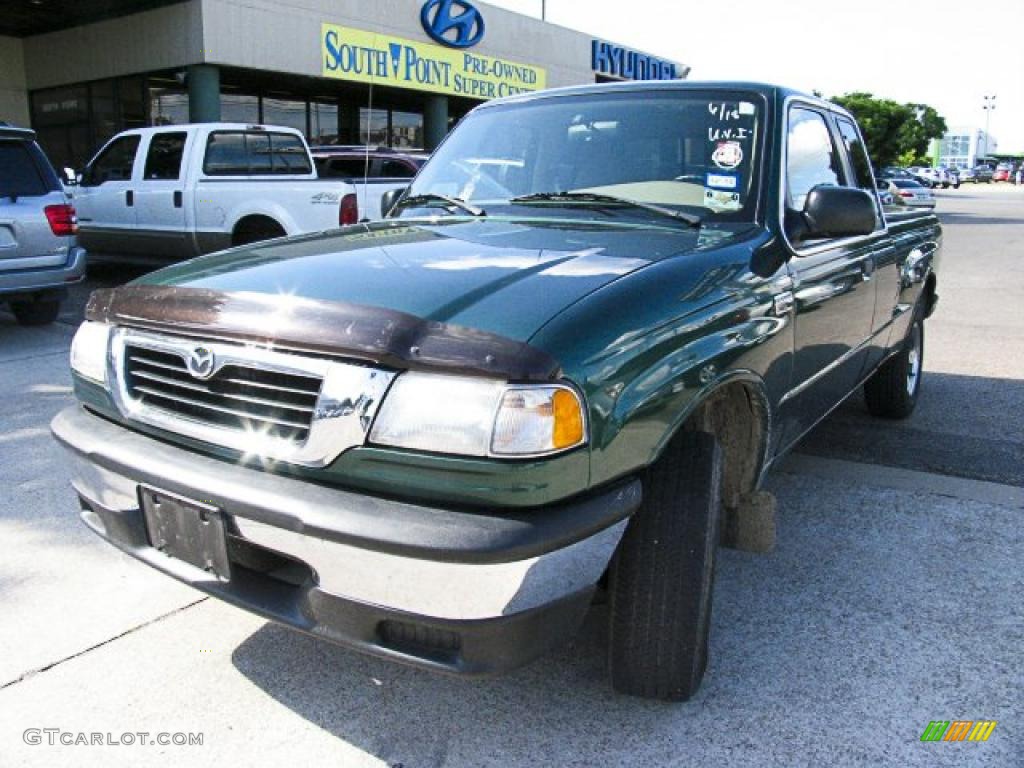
pixel 910 193
pixel 39 256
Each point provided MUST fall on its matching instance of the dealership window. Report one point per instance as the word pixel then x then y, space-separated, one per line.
pixel 239 108
pixel 323 123
pixel 291 114
pixel 406 130
pixel 373 126
pixel 168 105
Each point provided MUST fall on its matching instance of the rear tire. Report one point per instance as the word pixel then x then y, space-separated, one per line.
pixel 662 577
pixel 892 391
pixel 38 312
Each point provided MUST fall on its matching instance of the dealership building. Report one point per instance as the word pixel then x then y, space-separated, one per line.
pixel 386 72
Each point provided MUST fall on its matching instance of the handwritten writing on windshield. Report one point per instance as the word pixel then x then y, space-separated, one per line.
pixel 726 114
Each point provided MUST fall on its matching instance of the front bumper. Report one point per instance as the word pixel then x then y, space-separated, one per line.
pixel 32 280
pixel 465 592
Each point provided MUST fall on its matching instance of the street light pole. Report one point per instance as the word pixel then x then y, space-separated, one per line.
pixel 989 106
pixel 543 10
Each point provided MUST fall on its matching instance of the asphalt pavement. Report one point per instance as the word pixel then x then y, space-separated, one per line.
pixel 893 598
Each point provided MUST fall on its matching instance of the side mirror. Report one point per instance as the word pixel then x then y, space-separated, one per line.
pixel 388 200
pixel 70 177
pixel 838 212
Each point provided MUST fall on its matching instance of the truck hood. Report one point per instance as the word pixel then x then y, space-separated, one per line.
pixel 504 277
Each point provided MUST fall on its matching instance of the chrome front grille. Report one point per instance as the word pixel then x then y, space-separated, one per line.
pixel 254 399
pixel 279 405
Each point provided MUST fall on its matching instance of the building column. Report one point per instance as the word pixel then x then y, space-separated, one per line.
pixel 203 93
pixel 435 121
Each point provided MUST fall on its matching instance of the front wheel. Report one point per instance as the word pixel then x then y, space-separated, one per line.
pixel 662 577
pixel 892 391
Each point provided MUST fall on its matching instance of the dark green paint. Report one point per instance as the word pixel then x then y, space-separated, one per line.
pixel 646 319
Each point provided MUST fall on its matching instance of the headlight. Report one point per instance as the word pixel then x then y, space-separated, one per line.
pixel 89 351
pixel 479 417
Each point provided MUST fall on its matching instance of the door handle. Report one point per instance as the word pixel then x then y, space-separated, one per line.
pixel 129 198
pixel 177 198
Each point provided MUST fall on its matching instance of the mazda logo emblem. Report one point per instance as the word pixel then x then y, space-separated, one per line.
pixel 455 23
pixel 200 363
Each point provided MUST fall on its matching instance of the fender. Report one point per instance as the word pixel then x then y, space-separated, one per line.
pixel 265 208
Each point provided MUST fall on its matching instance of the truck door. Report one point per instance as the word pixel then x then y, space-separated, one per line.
pixel 160 198
pixel 833 293
pixel 105 201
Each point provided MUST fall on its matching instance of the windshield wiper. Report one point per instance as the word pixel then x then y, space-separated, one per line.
pixel 593 197
pixel 433 197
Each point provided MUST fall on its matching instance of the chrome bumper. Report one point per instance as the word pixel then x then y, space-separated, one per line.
pixel 456 572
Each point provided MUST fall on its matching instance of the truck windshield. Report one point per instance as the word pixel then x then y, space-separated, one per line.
pixel 692 151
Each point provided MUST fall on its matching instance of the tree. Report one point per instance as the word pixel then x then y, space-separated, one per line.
pixel 894 132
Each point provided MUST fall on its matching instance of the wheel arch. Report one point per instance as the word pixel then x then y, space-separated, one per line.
pixel 736 409
pixel 255 219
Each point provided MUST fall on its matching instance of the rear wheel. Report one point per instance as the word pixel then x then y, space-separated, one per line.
pixel 662 577
pixel 37 312
pixel 891 392
pixel 256 230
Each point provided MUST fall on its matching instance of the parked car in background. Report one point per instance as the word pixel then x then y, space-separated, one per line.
pixel 358 162
pixel 930 177
pixel 983 174
pixel 911 193
pixel 953 174
pixel 1003 172
pixel 174 192
pixel 894 172
pixel 39 255
pixel 967 176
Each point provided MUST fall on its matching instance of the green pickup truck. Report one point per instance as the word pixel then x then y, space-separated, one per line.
pixel 559 368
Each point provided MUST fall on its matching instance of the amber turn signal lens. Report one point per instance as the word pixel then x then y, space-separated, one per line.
pixel 568 421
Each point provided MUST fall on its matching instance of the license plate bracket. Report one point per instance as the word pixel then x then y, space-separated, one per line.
pixel 187 530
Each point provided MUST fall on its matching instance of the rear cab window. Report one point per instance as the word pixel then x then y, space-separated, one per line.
pixel 255 153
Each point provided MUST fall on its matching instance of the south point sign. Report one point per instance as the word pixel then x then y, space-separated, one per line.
pixel 370 57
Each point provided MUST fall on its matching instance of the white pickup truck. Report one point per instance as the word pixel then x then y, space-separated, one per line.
pixel 175 192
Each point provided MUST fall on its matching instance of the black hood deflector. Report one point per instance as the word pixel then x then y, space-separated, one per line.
pixel 383 336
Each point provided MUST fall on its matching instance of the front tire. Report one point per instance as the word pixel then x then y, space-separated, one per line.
pixel 38 312
pixel 892 391
pixel 662 577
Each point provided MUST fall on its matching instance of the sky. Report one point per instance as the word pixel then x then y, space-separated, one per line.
pixel 946 53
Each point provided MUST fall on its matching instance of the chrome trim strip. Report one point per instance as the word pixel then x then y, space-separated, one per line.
pixel 828 368
pixel 349 397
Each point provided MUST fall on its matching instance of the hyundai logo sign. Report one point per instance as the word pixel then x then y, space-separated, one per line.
pixel 455 23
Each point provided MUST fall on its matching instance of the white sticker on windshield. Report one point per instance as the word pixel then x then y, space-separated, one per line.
pixel 720 200
pixel 746 108
pixel 722 181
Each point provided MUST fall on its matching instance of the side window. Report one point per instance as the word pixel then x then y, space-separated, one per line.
pixel 163 160
pixel 225 154
pixel 858 156
pixel 289 154
pixel 859 161
pixel 257 146
pixel 396 169
pixel 114 163
pixel 811 157
pixel 344 167
pixel 254 153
